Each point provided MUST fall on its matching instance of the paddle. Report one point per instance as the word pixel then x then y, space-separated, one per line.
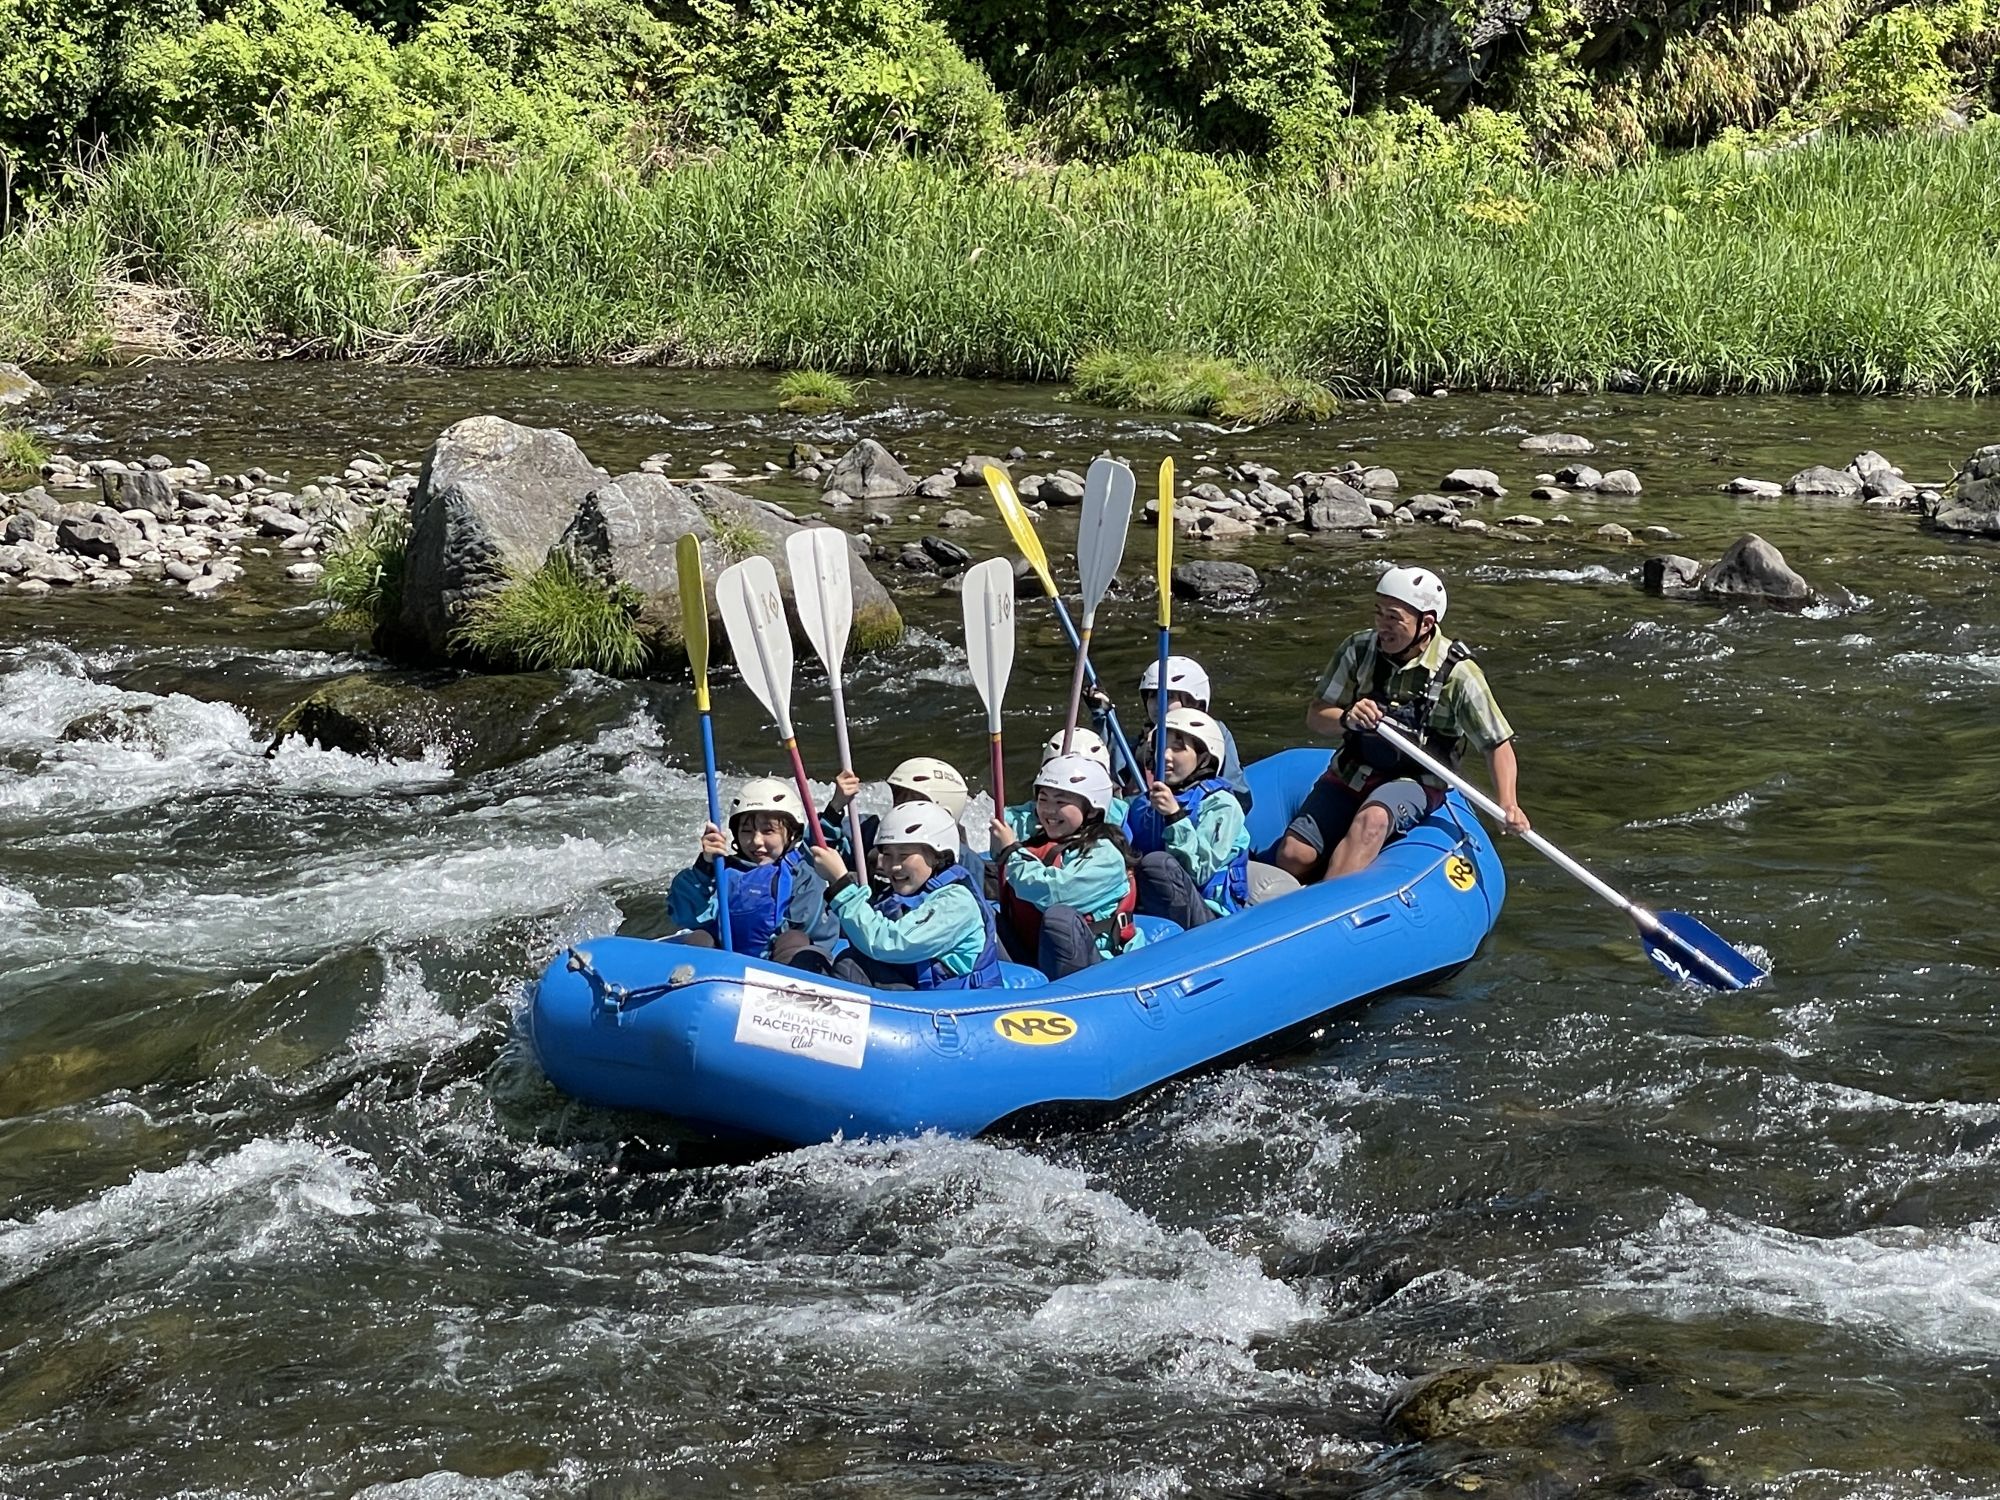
pixel 989 650
pixel 753 614
pixel 1165 568
pixel 823 589
pixel 1021 526
pixel 1100 547
pixel 694 632
pixel 1679 945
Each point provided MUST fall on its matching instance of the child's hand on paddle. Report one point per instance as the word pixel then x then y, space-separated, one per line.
pixel 1165 803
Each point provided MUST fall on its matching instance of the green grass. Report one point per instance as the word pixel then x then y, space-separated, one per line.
pixel 21 457
pixel 811 392
pixel 559 617
pixel 364 571
pixel 1198 386
pixel 1848 265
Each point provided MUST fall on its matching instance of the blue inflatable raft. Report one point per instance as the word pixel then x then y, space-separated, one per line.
pixel 748 1047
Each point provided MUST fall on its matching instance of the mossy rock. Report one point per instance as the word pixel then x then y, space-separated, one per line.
pixel 479 721
pixel 1499 1404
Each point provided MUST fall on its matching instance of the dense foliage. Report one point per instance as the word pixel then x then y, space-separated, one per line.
pixel 1316 86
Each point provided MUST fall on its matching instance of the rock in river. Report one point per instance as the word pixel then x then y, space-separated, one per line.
pixel 1215 580
pixel 1973 504
pixel 1500 1404
pixel 1568 444
pixel 868 471
pixel 1753 571
pixel 1836 484
pixel 19 388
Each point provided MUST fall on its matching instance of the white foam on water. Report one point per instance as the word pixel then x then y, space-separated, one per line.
pixel 15 902
pixel 406 1019
pixel 1933 1290
pixel 568 1477
pixel 1730 811
pixel 1981 665
pixel 158 747
pixel 1017 1261
pixel 1594 573
pixel 258 1198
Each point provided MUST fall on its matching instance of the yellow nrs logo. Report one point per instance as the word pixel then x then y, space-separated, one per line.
pixel 1034 1028
pixel 1459 871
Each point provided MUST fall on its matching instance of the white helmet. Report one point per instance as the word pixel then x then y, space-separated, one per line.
pixel 1080 776
pixel 1422 591
pixel 1085 742
pixel 767 794
pixel 933 780
pixel 928 825
pixel 1184 675
pixel 1198 727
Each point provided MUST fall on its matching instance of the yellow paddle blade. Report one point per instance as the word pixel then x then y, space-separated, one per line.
pixel 1166 544
pixel 694 613
pixel 1020 525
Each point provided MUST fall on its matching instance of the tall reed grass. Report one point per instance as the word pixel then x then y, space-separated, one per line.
pixel 1856 265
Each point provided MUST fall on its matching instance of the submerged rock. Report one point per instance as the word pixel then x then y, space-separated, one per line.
pixel 1562 443
pixel 478 721
pixel 1756 489
pixel 1500 1404
pixel 1752 571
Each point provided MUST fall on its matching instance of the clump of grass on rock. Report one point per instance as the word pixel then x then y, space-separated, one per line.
pixel 1199 386
pixel 561 616
pixel 364 572
pixel 810 392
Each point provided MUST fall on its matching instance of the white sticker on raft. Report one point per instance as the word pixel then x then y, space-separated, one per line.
pixel 791 1014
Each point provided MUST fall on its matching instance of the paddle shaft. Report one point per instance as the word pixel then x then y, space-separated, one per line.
pixel 1160 713
pixel 997 770
pixel 1118 740
pixel 846 757
pixel 1076 683
pixel 714 813
pixel 1647 922
pixel 805 791
pixel 1643 919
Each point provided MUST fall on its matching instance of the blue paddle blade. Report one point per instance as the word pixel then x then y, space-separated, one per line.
pixel 1685 949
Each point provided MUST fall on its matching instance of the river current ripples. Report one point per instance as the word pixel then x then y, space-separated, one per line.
pixel 287 1208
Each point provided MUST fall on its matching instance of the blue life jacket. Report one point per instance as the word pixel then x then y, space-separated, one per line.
pixel 759 897
pixel 931 974
pixel 1146 831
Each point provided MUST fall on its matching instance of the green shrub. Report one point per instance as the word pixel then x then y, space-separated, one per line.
pixel 1893 72
pixel 813 391
pixel 561 616
pixel 50 271
pixel 1199 386
pixel 21 456
pixel 363 580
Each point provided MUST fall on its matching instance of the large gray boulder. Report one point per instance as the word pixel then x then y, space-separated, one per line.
pixel 1215 580
pixel 479 721
pixel 1567 444
pixel 106 534
pixel 1973 504
pixel 492 499
pixel 138 489
pixel 868 471
pixel 1752 571
pixel 626 532
pixel 19 388
pixel 1332 505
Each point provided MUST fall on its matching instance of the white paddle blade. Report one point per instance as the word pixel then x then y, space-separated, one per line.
pixel 823 589
pixel 753 614
pixel 1100 530
pixel 989 633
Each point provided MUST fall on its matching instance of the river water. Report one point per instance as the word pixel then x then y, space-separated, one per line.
pixel 289 1210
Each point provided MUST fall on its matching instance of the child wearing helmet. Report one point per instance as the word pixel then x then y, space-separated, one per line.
pixel 1188 687
pixel 1087 743
pixel 1066 889
pixel 1407 671
pixel 1189 832
pixel 777 901
pixel 929 930
pixel 918 779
